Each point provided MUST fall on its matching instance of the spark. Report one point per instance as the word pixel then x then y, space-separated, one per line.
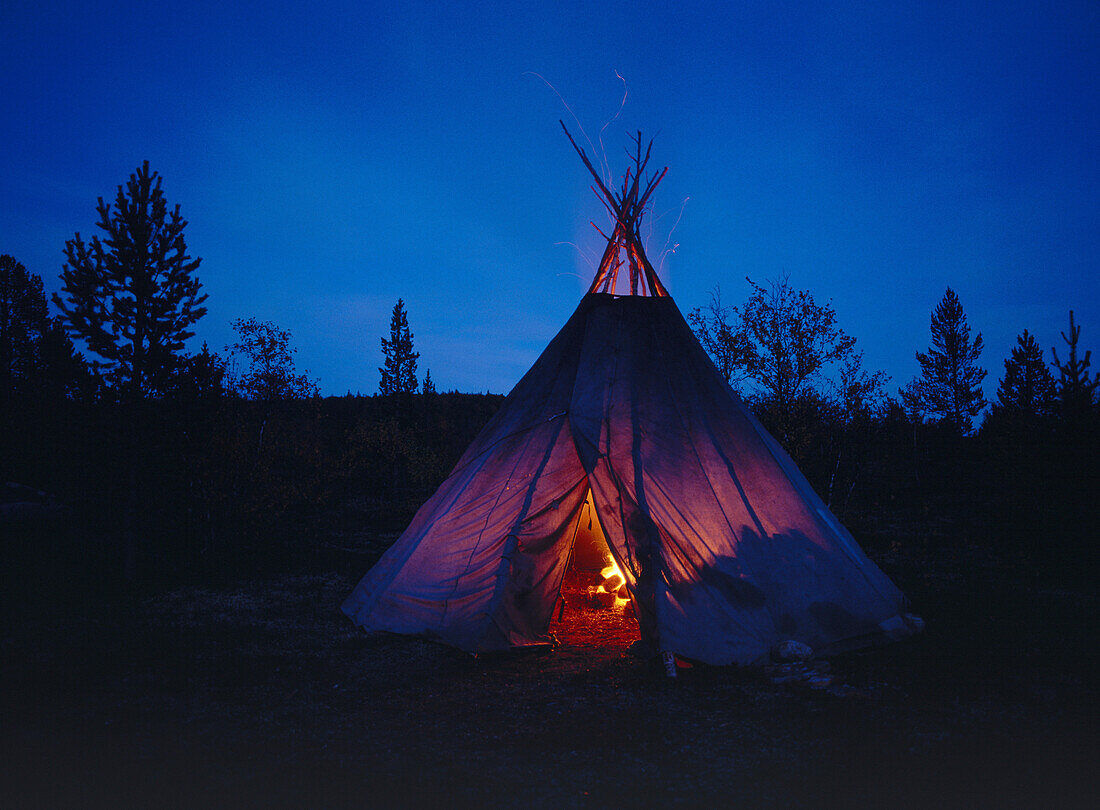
pixel 599 137
pixel 667 250
pixel 588 258
pixel 564 104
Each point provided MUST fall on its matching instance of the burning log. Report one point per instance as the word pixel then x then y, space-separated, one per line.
pixel 612 590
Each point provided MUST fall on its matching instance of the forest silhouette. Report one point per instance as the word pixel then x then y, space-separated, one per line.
pixel 155 464
pixel 179 527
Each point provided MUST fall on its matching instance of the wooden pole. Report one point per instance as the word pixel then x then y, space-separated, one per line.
pixel 627 209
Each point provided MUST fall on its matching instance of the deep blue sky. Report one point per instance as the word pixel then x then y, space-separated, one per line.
pixel 335 158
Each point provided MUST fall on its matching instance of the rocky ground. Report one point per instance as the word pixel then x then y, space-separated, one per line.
pixel 259 693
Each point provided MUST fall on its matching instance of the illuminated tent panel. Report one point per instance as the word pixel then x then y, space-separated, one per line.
pixel 725 548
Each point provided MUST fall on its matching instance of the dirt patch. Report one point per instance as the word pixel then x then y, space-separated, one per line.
pixel 263 694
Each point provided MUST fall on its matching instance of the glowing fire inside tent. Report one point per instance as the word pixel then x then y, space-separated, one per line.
pixel 624 424
pixel 592 565
pixel 612 590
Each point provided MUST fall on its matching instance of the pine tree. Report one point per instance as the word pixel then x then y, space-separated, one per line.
pixel 132 296
pixel 950 383
pixel 63 373
pixel 23 320
pixel 35 353
pixel 1028 386
pixel 1076 387
pixel 399 369
pixel 202 378
pixel 428 387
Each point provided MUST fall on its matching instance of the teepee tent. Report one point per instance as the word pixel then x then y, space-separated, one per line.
pixel 726 549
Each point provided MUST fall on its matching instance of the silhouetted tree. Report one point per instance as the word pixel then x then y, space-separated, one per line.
pixel 860 396
pixel 1076 387
pixel 399 368
pixel 23 319
pixel 785 342
pixel 201 377
pixel 270 375
pixel 721 332
pixel 35 353
pixel 63 373
pixel 789 339
pixel 133 296
pixel 861 393
pixel 950 383
pixel 781 338
pixel 428 387
pixel 1027 387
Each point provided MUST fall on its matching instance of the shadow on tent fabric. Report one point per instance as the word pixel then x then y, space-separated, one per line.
pixel 826 610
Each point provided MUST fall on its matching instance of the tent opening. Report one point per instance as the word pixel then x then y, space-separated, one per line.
pixel 595 607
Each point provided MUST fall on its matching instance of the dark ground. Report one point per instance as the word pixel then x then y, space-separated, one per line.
pixel 261 694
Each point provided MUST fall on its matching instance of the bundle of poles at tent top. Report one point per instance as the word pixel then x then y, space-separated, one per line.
pixel 626 208
pixel 728 554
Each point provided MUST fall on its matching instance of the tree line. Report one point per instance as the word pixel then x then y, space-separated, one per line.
pixel 780 343
pixel 170 458
pixel 1022 479
pixel 177 461
pixel 132 296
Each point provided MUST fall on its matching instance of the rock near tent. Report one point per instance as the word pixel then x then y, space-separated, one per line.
pixel 726 550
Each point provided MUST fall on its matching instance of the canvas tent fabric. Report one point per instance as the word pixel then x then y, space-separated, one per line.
pixel 726 549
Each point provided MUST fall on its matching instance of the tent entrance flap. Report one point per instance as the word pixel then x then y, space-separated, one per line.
pixel 596 608
pixel 727 550
pixel 590 549
pixel 592 562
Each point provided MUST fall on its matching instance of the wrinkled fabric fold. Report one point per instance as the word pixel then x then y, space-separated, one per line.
pixel 725 547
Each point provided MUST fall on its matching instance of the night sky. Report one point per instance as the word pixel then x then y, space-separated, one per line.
pixel 333 157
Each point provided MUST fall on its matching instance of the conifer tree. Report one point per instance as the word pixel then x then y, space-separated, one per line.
pixel 35 352
pixel 202 378
pixel 63 372
pixel 23 319
pixel 1076 387
pixel 1028 386
pixel 428 386
pixel 133 296
pixel 950 383
pixel 399 368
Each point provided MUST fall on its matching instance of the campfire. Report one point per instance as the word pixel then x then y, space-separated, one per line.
pixel 600 610
pixel 612 590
